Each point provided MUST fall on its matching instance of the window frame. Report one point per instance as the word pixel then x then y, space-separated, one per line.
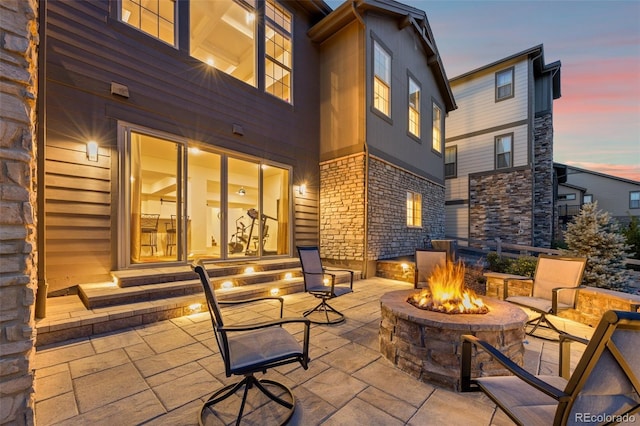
pixel 584 198
pixel 439 150
pixel 418 110
pixel 176 18
pixel 414 209
pixel 389 55
pixel 496 139
pixel 511 71
pixel 455 161
pixel 284 33
pixel 634 204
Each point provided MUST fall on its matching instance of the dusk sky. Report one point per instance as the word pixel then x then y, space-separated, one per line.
pixel 597 119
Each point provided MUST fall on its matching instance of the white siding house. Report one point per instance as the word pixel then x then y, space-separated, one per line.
pixel 499 151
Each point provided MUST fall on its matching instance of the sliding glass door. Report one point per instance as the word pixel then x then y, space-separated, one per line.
pixel 184 204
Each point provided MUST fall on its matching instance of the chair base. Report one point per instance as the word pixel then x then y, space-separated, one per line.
pixel 326 308
pixel 248 383
pixel 538 323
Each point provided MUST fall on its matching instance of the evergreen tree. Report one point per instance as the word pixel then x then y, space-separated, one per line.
pixel 592 233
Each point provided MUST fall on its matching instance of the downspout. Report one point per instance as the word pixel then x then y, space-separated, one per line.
pixel 531 92
pixel 365 262
pixel 41 293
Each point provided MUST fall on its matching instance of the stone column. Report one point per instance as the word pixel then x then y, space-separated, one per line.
pixel 18 93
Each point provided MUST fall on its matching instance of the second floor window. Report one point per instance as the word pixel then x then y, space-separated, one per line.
pixel 414 108
pixel 587 198
pixel 634 200
pixel 414 209
pixel 223 34
pixel 450 161
pixel 504 151
pixel 155 17
pixel 437 128
pixel 504 84
pixel 381 79
pixel 278 49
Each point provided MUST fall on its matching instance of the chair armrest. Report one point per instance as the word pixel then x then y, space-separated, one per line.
pixel 554 297
pixel 505 287
pixel 341 270
pixel 564 368
pixel 266 324
pixel 255 299
pixel 468 385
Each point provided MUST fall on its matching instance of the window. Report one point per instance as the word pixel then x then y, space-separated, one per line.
pixel 278 48
pixel 634 200
pixel 223 35
pixel 504 84
pixel 381 79
pixel 154 17
pixel 437 128
pixel 504 151
pixel 414 108
pixel 587 198
pixel 450 161
pixel 567 197
pixel 414 209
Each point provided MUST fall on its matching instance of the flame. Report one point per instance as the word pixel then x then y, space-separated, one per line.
pixel 447 293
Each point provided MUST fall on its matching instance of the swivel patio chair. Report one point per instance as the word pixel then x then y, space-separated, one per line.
pixel 251 348
pixel 321 283
pixel 426 261
pixel 604 388
pixel 555 284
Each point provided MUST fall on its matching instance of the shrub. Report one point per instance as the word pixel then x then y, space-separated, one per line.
pixel 524 265
pixel 498 263
pixel 594 235
pixel 632 236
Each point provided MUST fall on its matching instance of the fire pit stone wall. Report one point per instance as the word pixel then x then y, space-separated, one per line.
pixel 427 345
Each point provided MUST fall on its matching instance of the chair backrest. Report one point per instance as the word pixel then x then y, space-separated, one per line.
pixel 173 222
pixel 426 261
pixel 149 221
pixel 214 310
pixel 607 377
pixel 557 271
pixel 311 266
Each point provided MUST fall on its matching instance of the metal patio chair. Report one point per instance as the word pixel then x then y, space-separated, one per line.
pixel 605 384
pixel 149 227
pixel 555 284
pixel 251 348
pixel 426 261
pixel 314 275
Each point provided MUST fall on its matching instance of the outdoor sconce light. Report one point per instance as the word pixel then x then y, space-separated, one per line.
pixel 242 192
pixel 92 151
pixel 302 189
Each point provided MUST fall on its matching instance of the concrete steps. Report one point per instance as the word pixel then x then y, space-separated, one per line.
pixel 144 296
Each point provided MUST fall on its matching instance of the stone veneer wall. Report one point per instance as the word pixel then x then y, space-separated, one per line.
pixel 389 235
pixel 342 209
pixel 543 202
pixel 500 206
pixel 18 93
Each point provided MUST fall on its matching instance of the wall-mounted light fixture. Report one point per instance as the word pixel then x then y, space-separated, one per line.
pixel 242 192
pixel 92 151
pixel 302 189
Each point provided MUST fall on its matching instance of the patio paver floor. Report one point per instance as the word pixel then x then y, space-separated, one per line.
pixel 160 373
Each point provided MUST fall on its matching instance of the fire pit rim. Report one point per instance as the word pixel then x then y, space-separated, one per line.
pixel 507 316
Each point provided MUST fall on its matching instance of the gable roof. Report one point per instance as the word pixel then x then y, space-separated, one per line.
pixel 406 16
pixel 592 172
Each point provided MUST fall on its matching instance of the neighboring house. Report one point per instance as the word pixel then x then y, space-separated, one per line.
pixel 618 196
pixel 235 129
pixel 499 151
pixel 383 98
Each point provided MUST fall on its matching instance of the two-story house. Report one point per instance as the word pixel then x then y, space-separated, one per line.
pixel 577 186
pixel 499 151
pixel 383 99
pixel 236 129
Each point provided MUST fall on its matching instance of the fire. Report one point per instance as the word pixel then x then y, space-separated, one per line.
pixel 447 293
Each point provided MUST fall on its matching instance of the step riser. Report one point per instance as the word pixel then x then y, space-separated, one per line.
pixel 145 277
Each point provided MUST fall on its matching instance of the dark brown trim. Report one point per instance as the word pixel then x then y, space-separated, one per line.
pixel 488 130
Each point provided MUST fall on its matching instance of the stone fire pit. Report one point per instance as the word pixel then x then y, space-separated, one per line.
pixel 427 344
